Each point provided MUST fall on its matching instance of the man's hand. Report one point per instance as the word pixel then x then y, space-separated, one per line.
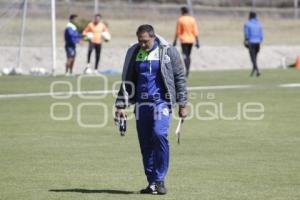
pixel 120 121
pixel 197 45
pixel 246 43
pixel 183 111
pixel 120 113
pixel 174 43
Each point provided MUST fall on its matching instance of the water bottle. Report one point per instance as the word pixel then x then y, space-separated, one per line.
pixel 122 125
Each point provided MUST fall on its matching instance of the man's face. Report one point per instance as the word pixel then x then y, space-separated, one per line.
pixel 96 19
pixel 145 41
pixel 74 20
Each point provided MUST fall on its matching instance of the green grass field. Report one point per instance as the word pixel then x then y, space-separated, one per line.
pixel 41 158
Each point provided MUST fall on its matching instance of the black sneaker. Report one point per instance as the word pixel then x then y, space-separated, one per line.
pixel 151 189
pixel 160 188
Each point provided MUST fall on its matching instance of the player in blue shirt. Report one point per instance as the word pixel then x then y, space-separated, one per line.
pixel 72 37
pixel 253 33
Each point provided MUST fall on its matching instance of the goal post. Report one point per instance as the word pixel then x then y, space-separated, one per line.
pixel 25 5
pixel 296 7
pixel 190 6
pixel 53 27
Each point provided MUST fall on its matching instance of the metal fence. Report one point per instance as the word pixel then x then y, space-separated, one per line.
pixel 38 19
pixel 230 3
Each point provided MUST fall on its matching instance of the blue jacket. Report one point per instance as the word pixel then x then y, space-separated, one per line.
pixel 72 37
pixel 172 72
pixel 149 85
pixel 253 31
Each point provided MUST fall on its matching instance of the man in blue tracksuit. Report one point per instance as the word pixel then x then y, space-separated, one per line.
pixel 72 37
pixel 253 33
pixel 154 80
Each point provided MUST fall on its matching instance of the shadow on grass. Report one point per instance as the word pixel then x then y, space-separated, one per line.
pixel 80 190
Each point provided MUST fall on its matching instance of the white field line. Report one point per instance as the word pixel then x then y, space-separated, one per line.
pixel 194 88
pixel 220 87
pixel 290 85
pixel 43 94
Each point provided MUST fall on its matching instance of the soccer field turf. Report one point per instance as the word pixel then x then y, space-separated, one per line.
pixel 44 158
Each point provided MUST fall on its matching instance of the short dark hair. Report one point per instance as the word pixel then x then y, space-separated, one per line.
pixel 252 15
pixel 98 15
pixel 184 10
pixel 146 28
pixel 72 17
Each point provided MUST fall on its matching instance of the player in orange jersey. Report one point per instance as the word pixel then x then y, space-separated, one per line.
pixel 94 32
pixel 187 32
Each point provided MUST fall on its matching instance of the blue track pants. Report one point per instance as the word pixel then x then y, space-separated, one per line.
pixel 152 122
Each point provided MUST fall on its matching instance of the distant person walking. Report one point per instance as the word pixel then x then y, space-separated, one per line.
pixel 94 32
pixel 253 32
pixel 72 37
pixel 187 32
